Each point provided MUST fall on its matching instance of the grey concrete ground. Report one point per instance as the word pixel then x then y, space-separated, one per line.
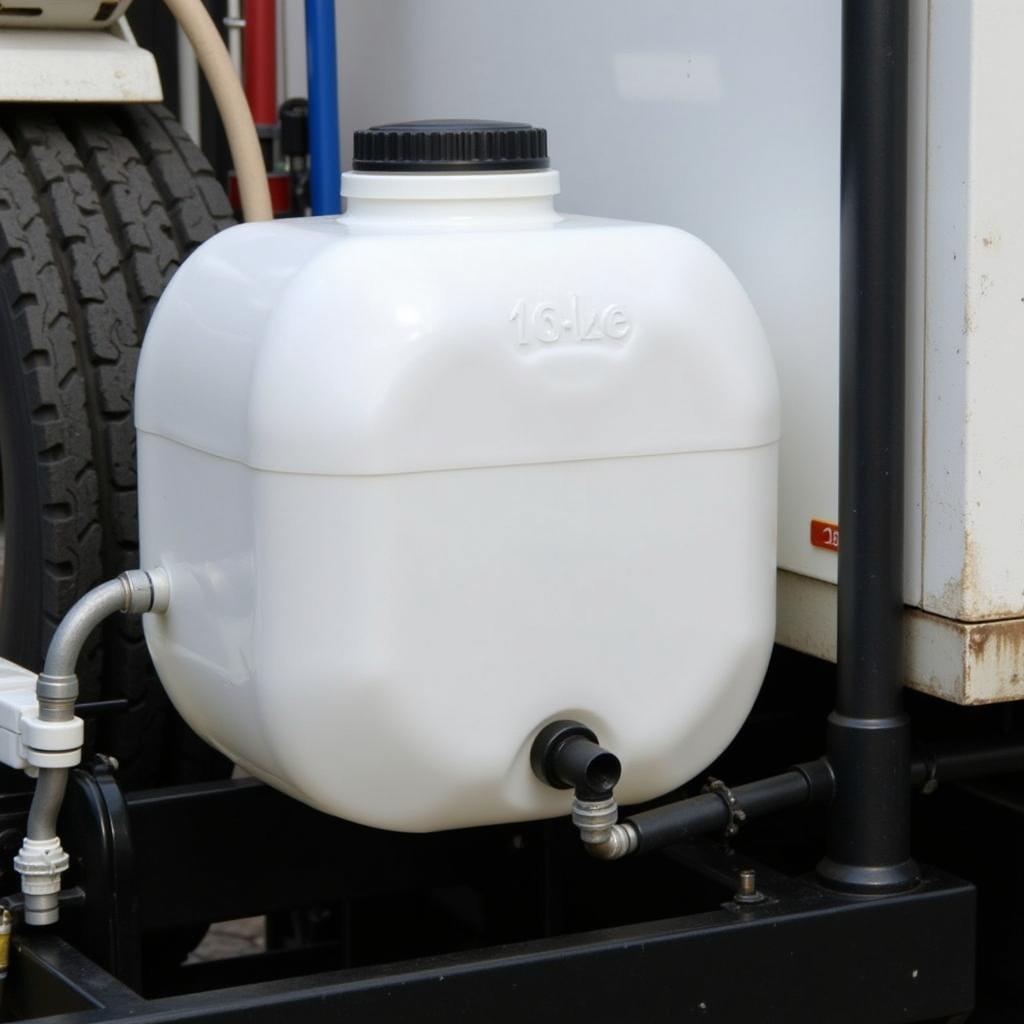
pixel 230 939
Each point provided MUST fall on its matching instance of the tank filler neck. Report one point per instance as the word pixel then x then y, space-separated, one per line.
pixel 513 195
pixel 451 170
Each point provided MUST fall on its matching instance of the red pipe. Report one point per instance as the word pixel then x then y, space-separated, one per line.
pixel 259 59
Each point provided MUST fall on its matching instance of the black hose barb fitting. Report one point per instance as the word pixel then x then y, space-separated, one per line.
pixel 566 755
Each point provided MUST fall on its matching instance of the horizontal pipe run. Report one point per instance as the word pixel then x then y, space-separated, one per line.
pixel 810 783
pixel 99 708
pixel 964 761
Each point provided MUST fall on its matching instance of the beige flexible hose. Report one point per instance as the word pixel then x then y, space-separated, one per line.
pixel 232 105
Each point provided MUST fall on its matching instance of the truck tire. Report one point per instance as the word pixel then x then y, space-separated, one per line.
pixel 99 205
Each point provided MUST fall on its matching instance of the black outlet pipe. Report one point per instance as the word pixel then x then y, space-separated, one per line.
pixel 804 785
pixel 566 755
pixel 869 733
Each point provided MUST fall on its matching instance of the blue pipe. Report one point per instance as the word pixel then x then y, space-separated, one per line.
pixel 324 139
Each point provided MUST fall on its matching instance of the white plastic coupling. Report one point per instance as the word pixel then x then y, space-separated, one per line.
pixel 31 742
pixel 41 862
pixel 52 744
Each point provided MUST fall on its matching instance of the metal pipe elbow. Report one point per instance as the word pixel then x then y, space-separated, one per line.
pixel 620 841
pixel 136 591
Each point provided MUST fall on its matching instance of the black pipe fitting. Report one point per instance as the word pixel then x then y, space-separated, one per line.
pixel 566 755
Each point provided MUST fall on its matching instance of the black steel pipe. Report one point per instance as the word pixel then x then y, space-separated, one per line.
pixel 97 708
pixel 966 760
pixel 869 734
pixel 805 784
pixel 811 784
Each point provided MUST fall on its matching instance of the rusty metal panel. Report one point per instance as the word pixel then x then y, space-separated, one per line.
pixel 962 662
pixel 974 356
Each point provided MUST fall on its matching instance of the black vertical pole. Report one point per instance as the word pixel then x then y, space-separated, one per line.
pixel 869 734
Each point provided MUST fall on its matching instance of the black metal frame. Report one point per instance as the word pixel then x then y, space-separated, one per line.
pixel 657 938
pixel 800 954
pixel 808 958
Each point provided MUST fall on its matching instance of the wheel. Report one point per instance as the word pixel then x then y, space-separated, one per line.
pixel 98 207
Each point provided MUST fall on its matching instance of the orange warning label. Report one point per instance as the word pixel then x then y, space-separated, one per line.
pixel 825 535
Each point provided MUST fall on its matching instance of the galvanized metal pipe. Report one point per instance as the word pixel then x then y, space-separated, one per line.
pixel 57 691
pixel 41 860
pixel 85 615
pixel 46 803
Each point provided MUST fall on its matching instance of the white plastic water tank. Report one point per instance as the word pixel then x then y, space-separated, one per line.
pixel 432 474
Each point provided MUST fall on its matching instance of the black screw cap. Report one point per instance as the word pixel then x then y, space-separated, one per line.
pixel 452 146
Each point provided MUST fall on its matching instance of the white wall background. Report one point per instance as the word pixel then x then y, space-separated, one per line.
pixel 722 118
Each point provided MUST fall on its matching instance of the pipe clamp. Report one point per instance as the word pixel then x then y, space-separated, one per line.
pixel 736 813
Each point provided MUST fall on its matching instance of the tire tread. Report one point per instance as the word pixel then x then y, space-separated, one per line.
pixel 98 208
